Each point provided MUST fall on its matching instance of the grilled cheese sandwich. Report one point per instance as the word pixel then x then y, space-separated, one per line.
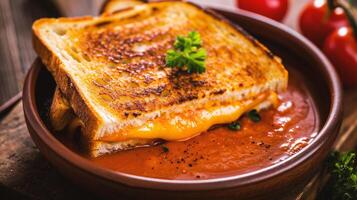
pixel 112 72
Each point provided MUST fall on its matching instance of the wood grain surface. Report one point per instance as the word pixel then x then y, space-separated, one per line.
pixel 24 173
pixel 24 169
pixel 16 54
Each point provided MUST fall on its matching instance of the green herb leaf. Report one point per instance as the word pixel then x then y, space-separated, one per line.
pixel 165 149
pixel 343 181
pixel 254 116
pixel 187 53
pixel 234 126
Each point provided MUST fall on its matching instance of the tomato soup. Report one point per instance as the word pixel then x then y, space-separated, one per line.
pixel 221 152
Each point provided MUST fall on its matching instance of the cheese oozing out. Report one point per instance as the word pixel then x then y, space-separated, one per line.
pixel 192 123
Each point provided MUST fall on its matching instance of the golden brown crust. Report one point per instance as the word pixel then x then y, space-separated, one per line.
pixel 61 112
pixel 125 60
pixel 68 89
pixel 98 148
pixel 104 43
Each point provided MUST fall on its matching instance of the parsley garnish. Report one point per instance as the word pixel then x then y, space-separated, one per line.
pixel 343 181
pixel 165 149
pixel 254 116
pixel 187 53
pixel 234 126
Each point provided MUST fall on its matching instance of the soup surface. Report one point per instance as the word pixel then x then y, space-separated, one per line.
pixel 221 152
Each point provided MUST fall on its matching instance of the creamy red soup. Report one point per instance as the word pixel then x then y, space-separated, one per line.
pixel 220 152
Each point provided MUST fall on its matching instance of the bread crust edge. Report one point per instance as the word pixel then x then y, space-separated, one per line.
pixel 55 66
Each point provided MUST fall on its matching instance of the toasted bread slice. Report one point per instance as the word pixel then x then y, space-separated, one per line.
pixel 60 112
pixel 62 118
pixel 111 70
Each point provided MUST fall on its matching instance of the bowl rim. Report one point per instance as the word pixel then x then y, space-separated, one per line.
pixel 332 122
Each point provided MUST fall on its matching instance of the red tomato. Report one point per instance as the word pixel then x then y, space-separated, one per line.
pixel 341 48
pixel 316 25
pixel 274 9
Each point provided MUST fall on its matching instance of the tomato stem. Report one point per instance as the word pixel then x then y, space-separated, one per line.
pixel 332 4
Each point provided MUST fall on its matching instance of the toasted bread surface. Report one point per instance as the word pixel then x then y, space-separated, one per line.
pixel 112 68
pixel 97 148
pixel 60 112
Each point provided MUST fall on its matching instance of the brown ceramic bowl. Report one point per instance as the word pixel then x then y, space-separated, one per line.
pixel 281 181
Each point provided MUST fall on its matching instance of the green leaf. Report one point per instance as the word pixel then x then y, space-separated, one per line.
pixel 181 43
pixel 165 149
pixel 195 61
pixel 195 39
pixel 254 116
pixel 187 53
pixel 343 181
pixel 171 58
pixel 234 126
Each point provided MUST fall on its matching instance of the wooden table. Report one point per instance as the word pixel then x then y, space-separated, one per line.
pixel 24 173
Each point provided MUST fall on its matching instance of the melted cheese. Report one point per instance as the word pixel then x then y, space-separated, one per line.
pixel 190 124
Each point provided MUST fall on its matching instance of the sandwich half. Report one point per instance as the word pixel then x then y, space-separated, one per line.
pixel 111 72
